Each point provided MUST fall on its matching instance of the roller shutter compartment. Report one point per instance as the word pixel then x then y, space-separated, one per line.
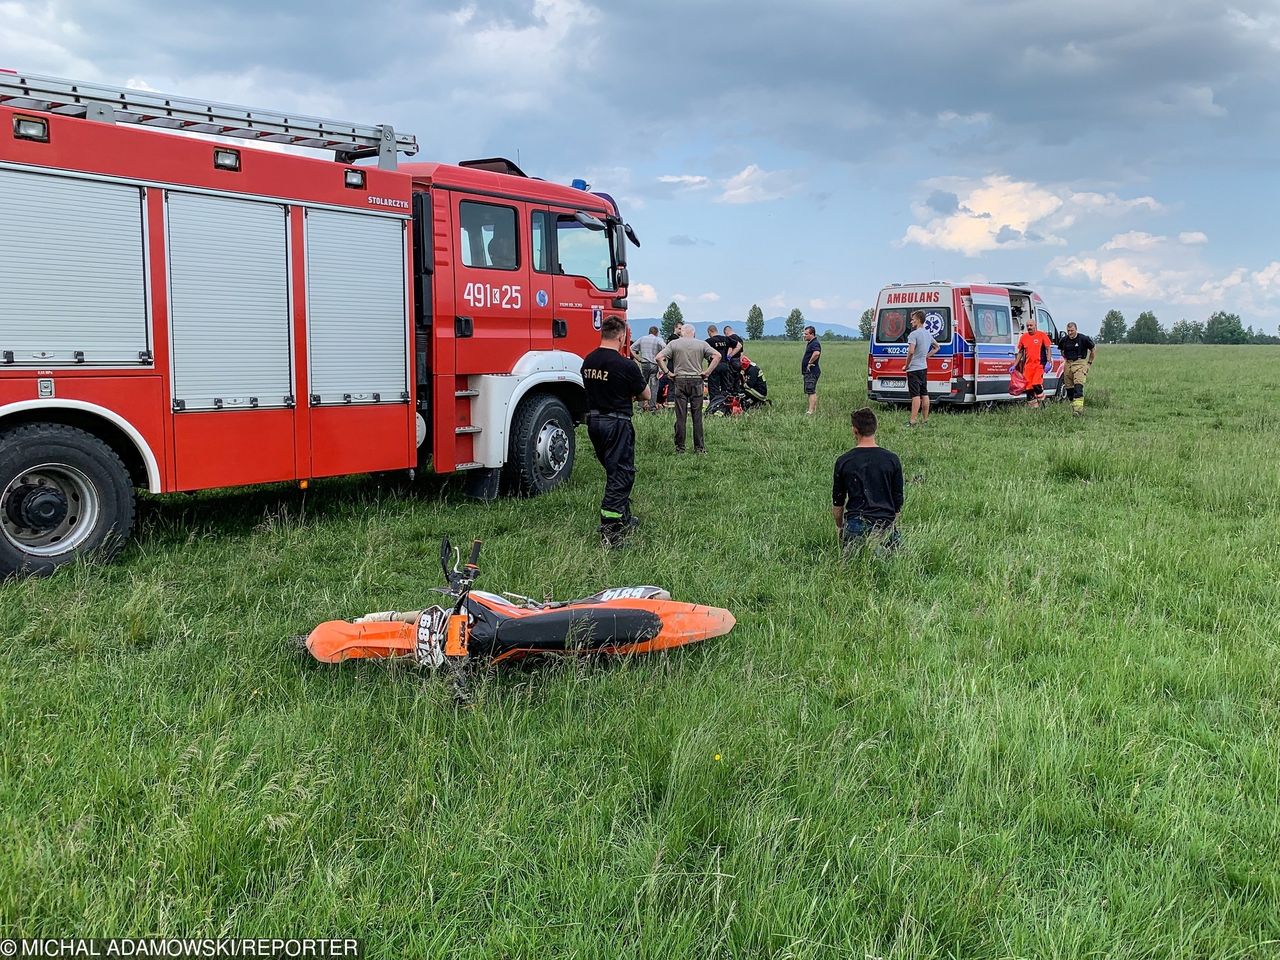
pixel 72 276
pixel 357 318
pixel 229 303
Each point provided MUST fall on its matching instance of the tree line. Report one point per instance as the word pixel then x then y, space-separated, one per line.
pixel 1220 327
pixel 673 316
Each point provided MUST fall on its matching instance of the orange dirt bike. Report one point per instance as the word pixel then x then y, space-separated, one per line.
pixel 479 627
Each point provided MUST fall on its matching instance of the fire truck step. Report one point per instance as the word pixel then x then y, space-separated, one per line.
pixel 464 430
pixel 466 393
pixel 469 465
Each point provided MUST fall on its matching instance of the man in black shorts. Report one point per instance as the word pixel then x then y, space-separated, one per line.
pixel 612 382
pixel 866 495
pixel 810 368
pixel 920 347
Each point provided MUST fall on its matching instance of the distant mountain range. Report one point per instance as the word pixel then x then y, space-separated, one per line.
pixel 773 327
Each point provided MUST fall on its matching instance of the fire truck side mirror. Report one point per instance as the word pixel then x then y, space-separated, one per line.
pixel 631 234
pixel 588 221
pixel 620 276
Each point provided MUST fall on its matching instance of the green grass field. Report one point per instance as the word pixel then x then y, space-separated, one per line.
pixel 1048 727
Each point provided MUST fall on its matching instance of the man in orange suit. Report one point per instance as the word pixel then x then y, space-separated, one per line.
pixel 1033 356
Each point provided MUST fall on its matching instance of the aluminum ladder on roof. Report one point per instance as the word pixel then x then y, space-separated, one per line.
pixel 348 141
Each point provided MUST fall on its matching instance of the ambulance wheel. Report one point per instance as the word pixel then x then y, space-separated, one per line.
pixel 63 494
pixel 542 446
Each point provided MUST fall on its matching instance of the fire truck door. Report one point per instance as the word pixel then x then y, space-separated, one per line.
pixel 549 329
pixel 358 343
pixel 583 282
pixel 230 335
pixel 492 290
pixel 993 345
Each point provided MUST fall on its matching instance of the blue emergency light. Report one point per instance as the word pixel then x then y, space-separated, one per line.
pixel 580 184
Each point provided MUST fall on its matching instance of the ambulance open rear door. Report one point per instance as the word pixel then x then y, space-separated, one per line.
pixel 993 342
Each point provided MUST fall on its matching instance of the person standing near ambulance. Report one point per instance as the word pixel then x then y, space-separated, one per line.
pixel 1079 351
pixel 920 347
pixel 612 382
pixel 1033 356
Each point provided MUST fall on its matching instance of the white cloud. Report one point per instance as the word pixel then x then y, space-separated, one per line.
pixel 1175 275
pixel 777 302
pixel 964 119
pixel 1119 277
pixel 754 185
pixel 1268 278
pixel 998 212
pixel 688 180
pixel 709 297
pixel 555 43
pixel 679 298
pixel 642 293
pixel 1219 290
pixel 46 35
pixel 1192 237
pixel 1133 240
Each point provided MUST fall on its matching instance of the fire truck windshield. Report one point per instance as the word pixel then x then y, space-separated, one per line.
pixel 584 252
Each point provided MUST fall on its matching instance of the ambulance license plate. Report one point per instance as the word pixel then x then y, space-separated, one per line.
pixel 892 383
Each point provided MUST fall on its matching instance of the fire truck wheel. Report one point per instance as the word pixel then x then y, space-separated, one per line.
pixel 63 494
pixel 542 446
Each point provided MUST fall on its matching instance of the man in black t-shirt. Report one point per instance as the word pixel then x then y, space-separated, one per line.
pixel 1079 351
pixel 612 382
pixel 866 495
pixel 809 367
pixel 716 383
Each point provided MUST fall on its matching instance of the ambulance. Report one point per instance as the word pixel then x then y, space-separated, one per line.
pixel 976 325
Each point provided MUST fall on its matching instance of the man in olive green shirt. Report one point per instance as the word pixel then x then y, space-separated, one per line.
pixel 682 359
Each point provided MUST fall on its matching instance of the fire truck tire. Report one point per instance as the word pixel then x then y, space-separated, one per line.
pixel 542 448
pixel 63 494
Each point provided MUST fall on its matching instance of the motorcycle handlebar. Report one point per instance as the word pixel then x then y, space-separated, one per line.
pixel 475 553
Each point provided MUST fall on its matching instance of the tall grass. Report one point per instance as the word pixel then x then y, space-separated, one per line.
pixel 1047 727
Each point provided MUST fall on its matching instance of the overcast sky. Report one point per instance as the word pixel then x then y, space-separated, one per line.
pixel 796 154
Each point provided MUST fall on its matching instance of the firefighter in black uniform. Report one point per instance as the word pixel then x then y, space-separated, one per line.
pixel 612 382
pixel 1079 351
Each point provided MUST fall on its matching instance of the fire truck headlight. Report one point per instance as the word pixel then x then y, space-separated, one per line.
pixel 354 179
pixel 226 159
pixel 31 128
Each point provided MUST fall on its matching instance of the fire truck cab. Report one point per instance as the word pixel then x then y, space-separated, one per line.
pixel 976 325
pixel 181 313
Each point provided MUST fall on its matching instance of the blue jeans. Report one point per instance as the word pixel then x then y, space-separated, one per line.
pixel 861 532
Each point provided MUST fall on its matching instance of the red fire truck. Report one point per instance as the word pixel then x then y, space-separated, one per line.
pixel 977 326
pixel 182 313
